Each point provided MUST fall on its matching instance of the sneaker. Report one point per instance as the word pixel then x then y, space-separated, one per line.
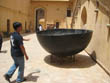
pixel 22 81
pixel 7 78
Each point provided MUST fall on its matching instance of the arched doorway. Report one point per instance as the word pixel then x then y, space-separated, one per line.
pixel 40 17
pixel 8 26
pixel 83 17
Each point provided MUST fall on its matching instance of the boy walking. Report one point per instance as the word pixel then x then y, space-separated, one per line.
pixel 17 53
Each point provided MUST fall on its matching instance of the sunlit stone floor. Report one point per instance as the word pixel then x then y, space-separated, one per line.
pixel 39 69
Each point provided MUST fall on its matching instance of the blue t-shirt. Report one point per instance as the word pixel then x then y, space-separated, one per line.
pixel 16 41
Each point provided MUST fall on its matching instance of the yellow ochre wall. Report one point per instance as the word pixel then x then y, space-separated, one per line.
pixel 99 47
pixel 54 12
pixel 15 10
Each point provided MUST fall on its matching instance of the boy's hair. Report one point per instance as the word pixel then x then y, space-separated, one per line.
pixel 16 25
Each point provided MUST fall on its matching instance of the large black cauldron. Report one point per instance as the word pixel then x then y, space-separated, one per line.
pixel 64 42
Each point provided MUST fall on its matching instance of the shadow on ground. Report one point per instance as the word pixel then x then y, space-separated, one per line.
pixel 4 51
pixel 30 78
pixel 81 61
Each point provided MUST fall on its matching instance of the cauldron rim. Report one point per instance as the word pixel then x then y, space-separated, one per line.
pixel 43 33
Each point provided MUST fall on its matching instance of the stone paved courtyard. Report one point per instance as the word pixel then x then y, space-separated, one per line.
pixel 39 69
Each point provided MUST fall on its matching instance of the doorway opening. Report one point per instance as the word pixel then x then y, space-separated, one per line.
pixel 40 18
pixel 57 25
pixel 8 26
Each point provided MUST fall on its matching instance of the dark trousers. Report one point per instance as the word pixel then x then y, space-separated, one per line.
pixel 1 44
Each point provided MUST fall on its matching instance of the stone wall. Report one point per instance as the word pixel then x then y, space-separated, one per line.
pixel 14 10
pixel 97 17
pixel 54 12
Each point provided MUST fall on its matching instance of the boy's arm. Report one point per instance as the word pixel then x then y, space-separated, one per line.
pixel 26 39
pixel 24 52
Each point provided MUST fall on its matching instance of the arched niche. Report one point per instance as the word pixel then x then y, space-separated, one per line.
pixel 83 17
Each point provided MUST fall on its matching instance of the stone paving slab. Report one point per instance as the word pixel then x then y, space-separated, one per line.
pixel 39 68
